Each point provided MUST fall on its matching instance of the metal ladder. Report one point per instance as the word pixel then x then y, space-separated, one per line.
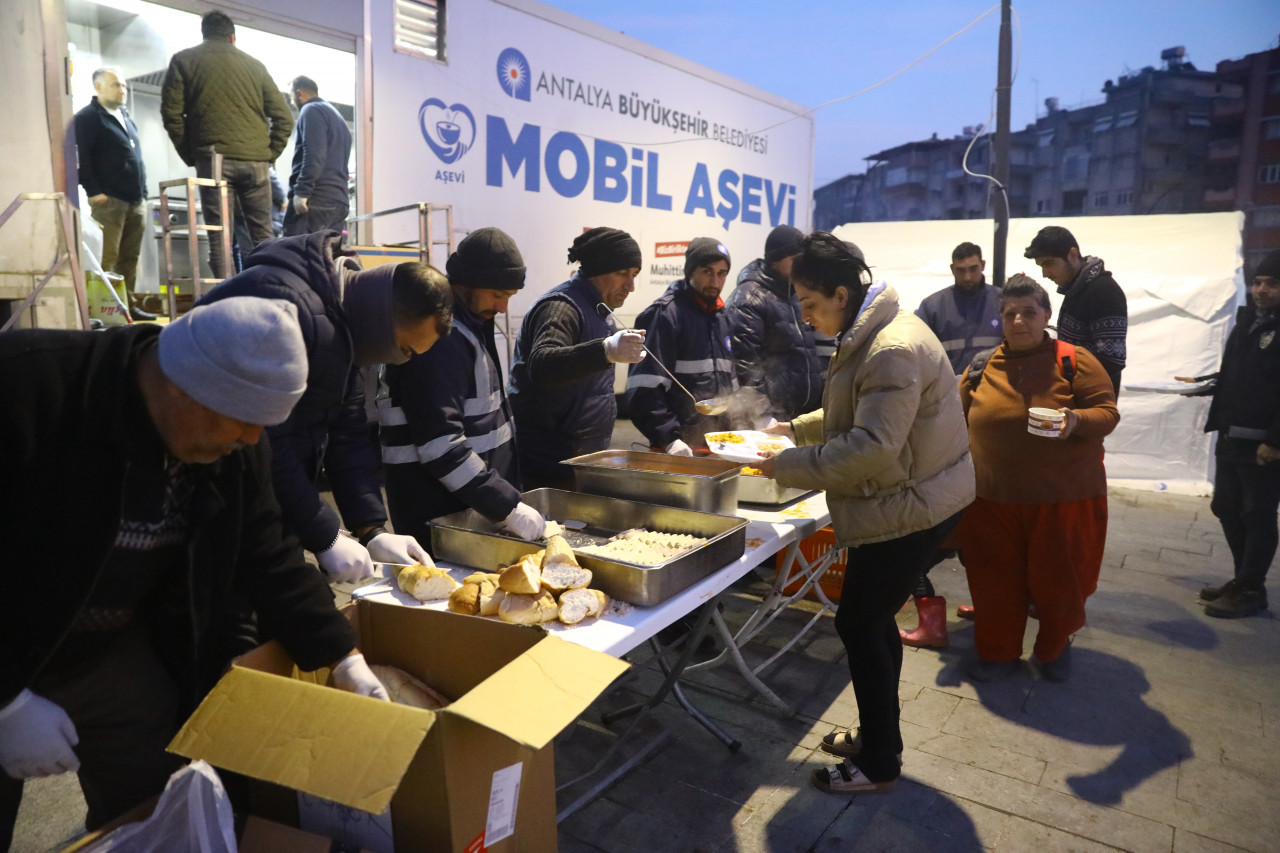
pixel 427 228
pixel 68 254
pixel 169 283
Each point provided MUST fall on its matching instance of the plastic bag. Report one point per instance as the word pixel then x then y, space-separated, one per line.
pixel 193 814
pixel 104 305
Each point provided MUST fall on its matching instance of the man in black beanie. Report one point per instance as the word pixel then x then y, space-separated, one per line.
pixel 448 439
pixel 688 331
pixel 562 376
pixel 773 348
pixel 1246 415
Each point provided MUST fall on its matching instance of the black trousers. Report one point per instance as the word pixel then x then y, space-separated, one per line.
pixel 878 580
pixel 1246 497
pixel 124 708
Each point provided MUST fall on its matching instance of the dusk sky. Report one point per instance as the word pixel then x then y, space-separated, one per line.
pixel 815 52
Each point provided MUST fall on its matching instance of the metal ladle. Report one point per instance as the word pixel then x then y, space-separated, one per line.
pixel 711 406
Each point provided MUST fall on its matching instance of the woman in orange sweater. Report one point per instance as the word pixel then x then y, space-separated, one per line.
pixel 1037 529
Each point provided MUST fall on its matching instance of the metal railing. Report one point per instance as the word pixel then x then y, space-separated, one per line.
pixel 169 281
pixel 67 255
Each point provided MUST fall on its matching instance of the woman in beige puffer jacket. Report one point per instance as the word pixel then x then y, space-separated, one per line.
pixel 891 450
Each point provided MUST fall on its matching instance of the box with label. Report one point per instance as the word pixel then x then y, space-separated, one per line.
pixel 478 774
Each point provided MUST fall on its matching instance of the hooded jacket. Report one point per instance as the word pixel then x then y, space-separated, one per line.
pixel 71 419
pixel 889 444
pixel 773 348
pixel 328 429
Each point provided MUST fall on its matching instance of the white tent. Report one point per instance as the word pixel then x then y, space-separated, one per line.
pixel 1182 276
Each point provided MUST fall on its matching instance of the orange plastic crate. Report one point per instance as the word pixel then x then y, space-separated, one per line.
pixel 832 581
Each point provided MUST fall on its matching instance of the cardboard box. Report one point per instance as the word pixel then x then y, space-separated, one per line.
pixel 450 777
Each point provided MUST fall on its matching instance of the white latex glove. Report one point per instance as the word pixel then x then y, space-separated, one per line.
pixel 401 550
pixel 526 522
pixel 625 346
pixel 679 448
pixel 353 675
pixel 345 561
pixel 36 737
pixel 299 204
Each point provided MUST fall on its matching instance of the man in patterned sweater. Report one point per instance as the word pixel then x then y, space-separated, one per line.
pixel 1094 312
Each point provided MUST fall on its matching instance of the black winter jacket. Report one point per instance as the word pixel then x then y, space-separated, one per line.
pixel 320 155
pixel 110 157
pixel 69 415
pixel 773 349
pixel 1246 397
pixel 328 429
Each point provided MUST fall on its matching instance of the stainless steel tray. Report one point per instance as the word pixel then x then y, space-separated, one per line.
pixel 469 539
pixel 698 483
pixel 754 489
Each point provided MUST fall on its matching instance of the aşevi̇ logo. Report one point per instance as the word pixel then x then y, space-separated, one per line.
pixel 513 74
pixel 450 131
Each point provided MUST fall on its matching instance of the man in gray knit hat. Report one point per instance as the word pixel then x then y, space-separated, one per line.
pixel 147 443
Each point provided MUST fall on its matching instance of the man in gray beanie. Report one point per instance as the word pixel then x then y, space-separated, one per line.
pixel 774 350
pixel 146 441
pixel 448 437
pixel 687 329
pixel 351 319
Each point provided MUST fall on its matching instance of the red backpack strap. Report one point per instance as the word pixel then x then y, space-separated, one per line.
pixel 1067 360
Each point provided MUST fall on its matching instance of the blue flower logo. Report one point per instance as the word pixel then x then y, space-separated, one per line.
pixel 513 74
pixel 450 131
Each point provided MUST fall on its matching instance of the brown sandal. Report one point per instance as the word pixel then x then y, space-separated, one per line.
pixel 844 778
pixel 842 742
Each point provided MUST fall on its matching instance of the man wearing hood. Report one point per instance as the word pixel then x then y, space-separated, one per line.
pixel 562 376
pixel 773 349
pixel 1094 312
pixel 350 318
pixel 448 438
pixel 687 329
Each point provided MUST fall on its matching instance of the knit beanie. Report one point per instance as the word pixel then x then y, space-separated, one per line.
pixel 243 357
pixel 604 250
pixel 783 242
pixel 1270 265
pixel 703 251
pixel 487 259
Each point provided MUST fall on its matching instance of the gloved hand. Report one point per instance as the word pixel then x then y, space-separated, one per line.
pixel 526 522
pixel 679 448
pixel 345 561
pixel 299 204
pixel 394 548
pixel 36 737
pixel 353 675
pixel 625 346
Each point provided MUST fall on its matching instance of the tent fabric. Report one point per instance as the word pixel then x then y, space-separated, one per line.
pixel 1183 279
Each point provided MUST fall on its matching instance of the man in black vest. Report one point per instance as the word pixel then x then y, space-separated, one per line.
pixel 561 385
pixel 113 177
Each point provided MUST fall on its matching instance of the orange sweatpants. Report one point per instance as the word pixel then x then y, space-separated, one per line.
pixel 1016 554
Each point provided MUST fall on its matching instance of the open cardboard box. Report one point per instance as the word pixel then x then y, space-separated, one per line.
pixel 450 777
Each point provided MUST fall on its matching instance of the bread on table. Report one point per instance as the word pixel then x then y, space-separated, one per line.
pixel 469 598
pixel 578 604
pixel 560 576
pixel 477 577
pixel 407 690
pixel 558 551
pixel 490 603
pixel 524 609
pixel 524 577
pixel 426 583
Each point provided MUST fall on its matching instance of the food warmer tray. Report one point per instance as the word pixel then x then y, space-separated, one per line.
pixel 755 489
pixel 698 483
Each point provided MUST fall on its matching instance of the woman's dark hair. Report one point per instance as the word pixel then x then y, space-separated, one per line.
pixel 826 262
pixel 1019 285
pixel 419 291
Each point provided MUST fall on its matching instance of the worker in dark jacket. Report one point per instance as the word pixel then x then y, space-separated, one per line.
pixel 448 438
pixel 350 318
pixel 1094 312
pixel 146 442
pixel 562 376
pixel 113 177
pixel 218 98
pixel 687 329
pixel 318 197
pixel 1246 415
pixel 773 349
pixel 966 315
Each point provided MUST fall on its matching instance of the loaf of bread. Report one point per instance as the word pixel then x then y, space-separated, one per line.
pixel 522 609
pixel 477 577
pixel 558 551
pixel 407 690
pixel 469 598
pixel 525 577
pixel 558 577
pixel 578 604
pixel 490 603
pixel 427 583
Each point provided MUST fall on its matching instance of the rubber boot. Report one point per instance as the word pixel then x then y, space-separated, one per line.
pixel 931 632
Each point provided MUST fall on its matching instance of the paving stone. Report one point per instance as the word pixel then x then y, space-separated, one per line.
pixel 1021 835
pixel 793 820
pixel 1255 832
pixel 1155 797
pixel 1204 780
pixel 1185 841
pixel 930 708
pixel 988 757
pixel 889 832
